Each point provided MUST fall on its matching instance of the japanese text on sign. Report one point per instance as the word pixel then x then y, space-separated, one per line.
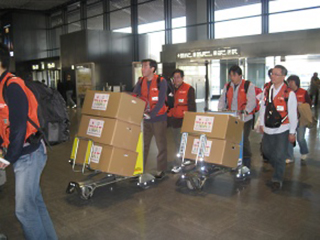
pixel 96 154
pixel 195 147
pixel 203 124
pixel 100 101
pixel 214 53
pixel 95 128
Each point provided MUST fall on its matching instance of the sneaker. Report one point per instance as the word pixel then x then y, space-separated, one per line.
pixel 159 174
pixel 176 169
pixel 276 186
pixel 304 157
pixel 185 163
pixel 288 161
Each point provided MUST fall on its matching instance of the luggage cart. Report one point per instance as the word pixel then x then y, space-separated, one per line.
pixel 96 179
pixel 194 174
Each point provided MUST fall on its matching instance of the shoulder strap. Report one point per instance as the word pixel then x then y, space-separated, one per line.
pixel 227 89
pixel 246 86
pixel 158 82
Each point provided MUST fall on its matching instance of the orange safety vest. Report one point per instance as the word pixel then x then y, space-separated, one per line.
pixel 152 94
pixel 280 101
pixel 4 110
pixel 180 101
pixel 242 96
pixel 301 95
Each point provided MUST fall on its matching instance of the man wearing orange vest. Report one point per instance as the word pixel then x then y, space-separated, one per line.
pixel 302 97
pixel 23 150
pixel 235 98
pixel 184 100
pixel 153 89
pixel 278 123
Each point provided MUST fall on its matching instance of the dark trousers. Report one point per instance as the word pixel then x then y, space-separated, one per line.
pixel 275 147
pixel 316 95
pixel 246 143
pixel 158 130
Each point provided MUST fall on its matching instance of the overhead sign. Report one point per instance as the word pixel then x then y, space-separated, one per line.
pixel 209 53
pixel 35 67
pixel 51 65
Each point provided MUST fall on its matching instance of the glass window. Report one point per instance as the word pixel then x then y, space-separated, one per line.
pixel 121 20
pixel 151 17
pixel 95 23
pixel 73 27
pixel 55 37
pixel 150 45
pixel 238 12
pixel 56 19
pixel 179 20
pixel 299 20
pixel 94 9
pixel 241 27
pixel 285 5
pixel 73 16
pixel 179 35
pixel 118 4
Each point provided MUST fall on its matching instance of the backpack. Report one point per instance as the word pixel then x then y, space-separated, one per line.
pixel 246 87
pixel 170 92
pixel 272 118
pixel 52 113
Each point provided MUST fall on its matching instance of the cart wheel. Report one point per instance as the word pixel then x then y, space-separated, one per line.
pixel 71 188
pixel 189 184
pixel 195 183
pixel 87 192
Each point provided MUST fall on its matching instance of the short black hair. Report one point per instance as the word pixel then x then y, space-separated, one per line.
pixel 178 71
pixel 270 72
pixel 235 69
pixel 294 78
pixel 152 63
pixel 4 56
pixel 284 71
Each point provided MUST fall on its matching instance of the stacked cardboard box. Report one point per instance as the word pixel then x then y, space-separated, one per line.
pixel 112 121
pixel 224 134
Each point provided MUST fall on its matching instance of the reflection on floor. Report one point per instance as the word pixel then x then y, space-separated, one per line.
pixel 224 210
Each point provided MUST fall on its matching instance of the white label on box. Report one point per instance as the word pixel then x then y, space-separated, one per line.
pixel 203 124
pixel 195 147
pixel 95 128
pixel 96 154
pixel 100 101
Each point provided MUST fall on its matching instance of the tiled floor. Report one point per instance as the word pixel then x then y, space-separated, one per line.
pixel 224 210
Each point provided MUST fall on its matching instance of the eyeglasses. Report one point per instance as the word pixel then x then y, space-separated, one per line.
pixel 277 75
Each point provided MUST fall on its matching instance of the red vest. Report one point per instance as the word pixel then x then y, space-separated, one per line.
pixel 4 110
pixel 152 94
pixel 280 101
pixel 301 95
pixel 242 96
pixel 180 101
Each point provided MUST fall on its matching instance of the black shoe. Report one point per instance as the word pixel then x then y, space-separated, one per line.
pixel 276 186
pixel 160 174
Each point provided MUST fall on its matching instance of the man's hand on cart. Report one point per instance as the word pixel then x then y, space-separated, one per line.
pixel 146 116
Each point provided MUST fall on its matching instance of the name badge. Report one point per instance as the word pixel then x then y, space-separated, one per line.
pixel 154 98
pixel 280 108
pixel 181 100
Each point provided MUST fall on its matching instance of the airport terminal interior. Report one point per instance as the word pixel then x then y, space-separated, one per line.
pixel 91 49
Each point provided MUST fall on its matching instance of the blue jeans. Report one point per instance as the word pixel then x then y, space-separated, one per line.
pixel 275 147
pixel 301 131
pixel 31 210
pixel 301 141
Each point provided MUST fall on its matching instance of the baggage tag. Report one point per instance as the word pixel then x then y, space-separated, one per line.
pixel 154 98
pixel 181 100
pixel 280 108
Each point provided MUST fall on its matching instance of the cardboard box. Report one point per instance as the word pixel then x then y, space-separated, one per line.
pixel 220 152
pixel 108 159
pixel 110 131
pixel 118 105
pixel 217 126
